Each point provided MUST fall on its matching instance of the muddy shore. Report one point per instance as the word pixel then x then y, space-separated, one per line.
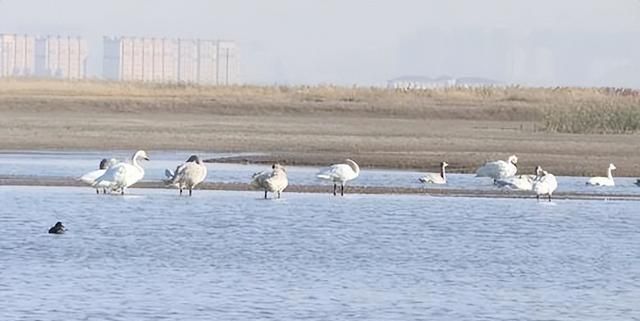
pixel 314 125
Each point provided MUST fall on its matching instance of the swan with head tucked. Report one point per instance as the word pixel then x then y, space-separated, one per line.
pixel 90 177
pixel 187 175
pixel 340 173
pixel 435 178
pixel 274 181
pixel 544 184
pixel 603 181
pixel 499 169
pixel 122 175
pixel 519 182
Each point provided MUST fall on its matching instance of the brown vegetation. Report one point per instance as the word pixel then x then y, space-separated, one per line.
pixel 317 125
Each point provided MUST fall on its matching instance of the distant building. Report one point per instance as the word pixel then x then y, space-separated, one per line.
pixel 422 83
pixel 170 60
pixel 50 56
pixel 17 55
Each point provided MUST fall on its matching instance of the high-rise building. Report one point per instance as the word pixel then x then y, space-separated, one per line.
pixel 170 60
pixel 51 56
pixel 17 55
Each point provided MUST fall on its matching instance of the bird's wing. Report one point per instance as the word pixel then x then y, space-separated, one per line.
pixel 90 177
pixel 336 171
pixel 114 175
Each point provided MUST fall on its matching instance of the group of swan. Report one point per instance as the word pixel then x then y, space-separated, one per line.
pixel 118 176
pixel 542 183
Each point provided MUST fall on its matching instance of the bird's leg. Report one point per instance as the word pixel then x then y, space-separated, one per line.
pixel 265 194
pixel 549 197
pixel 341 189
pixel 180 190
pixel 538 197
pixel 122 191
pixel 335 187
pixel 104 190
pixel 278 194
pixel 97 191
pixel 190 191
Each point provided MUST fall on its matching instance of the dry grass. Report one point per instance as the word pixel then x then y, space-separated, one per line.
pixel 317 125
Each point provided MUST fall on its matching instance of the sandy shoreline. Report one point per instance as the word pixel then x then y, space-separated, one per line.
pixel 323 189
pixel 313 126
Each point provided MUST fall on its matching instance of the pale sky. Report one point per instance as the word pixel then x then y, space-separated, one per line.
pixel 545 42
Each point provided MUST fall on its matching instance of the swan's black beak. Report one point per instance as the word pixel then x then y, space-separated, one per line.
pixel 146 158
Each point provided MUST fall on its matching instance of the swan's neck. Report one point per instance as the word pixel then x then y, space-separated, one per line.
pixel 442 173
pixel 134 161
pixel 355 167
pixel 609 175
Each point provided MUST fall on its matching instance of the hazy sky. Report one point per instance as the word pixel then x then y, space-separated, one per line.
pixel 544 42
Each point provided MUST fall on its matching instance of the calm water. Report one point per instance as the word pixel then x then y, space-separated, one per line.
pixel 74 164
pixel 231 256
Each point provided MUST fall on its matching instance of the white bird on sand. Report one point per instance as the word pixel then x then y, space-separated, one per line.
pixel 340 173
pixel 519 182
pixel 187 175
pixel 434 178
pixel 274 181
pixel 603 181
pixel 544 184
pixel 499 169
pixel 122 175
pixel 90 177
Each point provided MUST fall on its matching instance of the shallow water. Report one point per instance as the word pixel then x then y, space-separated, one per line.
pixel 75 164
pixel 231 256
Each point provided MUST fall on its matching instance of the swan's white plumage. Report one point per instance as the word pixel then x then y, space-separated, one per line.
pixel 545 184
pixel 340 173
pixel 91 177
pixel 519 182
pixel 187 175
pixel 499 169
pixel 122 175
pixel 435 178
pixel 274 181
pixel 277 181
pixel 603 181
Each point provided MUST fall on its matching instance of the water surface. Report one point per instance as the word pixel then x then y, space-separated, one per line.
pixel 222 255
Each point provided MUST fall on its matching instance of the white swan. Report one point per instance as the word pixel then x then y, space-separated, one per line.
pixel 519 182
pixel 340 173
pixel 187 175
pixel 603 181
pixel 90 177
pixel 275 181
pixel 545 184
pixel 499 169
pixel 434 178
pixel 122 175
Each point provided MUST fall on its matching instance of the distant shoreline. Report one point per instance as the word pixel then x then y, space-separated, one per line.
pixel 317 126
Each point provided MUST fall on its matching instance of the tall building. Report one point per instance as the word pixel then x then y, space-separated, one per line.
pixel 170 60
pixel 61 57
pixel 17 55
pixel 51 56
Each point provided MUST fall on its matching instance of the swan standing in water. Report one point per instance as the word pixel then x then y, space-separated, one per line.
pixel 187 175
pixel 519 182
pixel 603 181
pixel 544 184
pixel 91 177
pixel 499 169
pixel 340 173
pixel 122 175
pixel 275 181
pixel 434 178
